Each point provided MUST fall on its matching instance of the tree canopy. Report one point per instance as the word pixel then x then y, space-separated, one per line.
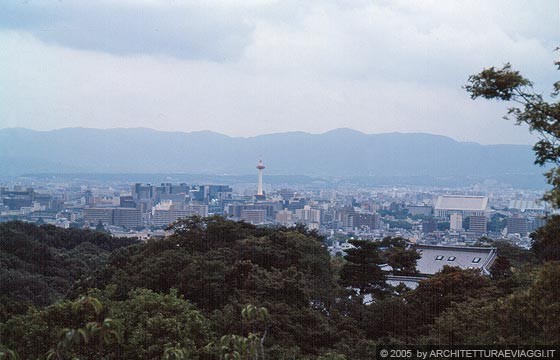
pixel 200 293
pixel 542 116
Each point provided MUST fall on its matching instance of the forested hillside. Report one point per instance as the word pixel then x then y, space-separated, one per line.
pixel 39 264
pixel 220 289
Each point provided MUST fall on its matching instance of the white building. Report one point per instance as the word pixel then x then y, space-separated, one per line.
pixel 284 217
pixel 166 212
pixel 308 215
pixel 464 205
pixel 456 222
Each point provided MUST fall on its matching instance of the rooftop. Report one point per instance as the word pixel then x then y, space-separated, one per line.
pixel 435 257
pixel 457 202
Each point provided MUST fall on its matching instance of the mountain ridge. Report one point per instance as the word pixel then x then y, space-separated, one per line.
pixel 342 151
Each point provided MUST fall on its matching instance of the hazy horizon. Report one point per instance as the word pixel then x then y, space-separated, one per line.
pixel 264 134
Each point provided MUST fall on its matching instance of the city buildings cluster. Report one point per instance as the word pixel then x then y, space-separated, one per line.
pixel 421 215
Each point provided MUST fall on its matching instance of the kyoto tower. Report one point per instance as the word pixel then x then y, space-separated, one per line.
pixel 260 166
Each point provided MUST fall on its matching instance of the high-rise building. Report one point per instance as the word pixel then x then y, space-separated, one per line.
pixel 167 212
pixel 96 215
pixel 212 194
pixel 429 226
pixel 308 215
pixel 284 217
pixel 478 224
pixel 127 201
pixel 424 210
pixel 456 221
pixel 372 221
pixel 253 216
pixel 127 217
pixel 142 191
pixel 18 197
pixel 517 224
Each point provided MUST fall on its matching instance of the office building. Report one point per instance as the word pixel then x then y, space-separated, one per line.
pixel 478 224
pixel 429 226
pixel 95 215
pixel 456 222
pixel 517 224
pixel 308 215
pixel 127 217
pixel 253 216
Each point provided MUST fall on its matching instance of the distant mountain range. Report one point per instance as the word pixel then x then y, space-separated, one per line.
pixel 337 153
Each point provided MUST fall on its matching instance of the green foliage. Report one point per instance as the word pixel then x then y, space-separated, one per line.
pixel 497 223
pixel 398 224
pixel 175 353
pixel 443 225
pixel 219 265
pixel 401 214
pixel 387 318
pixel 236 347
pixel 39 264
pixel 529 317
pixel 541 116
pixel 501 269
pixel 546 240
pixel 64 330
pixel 186 296
pixel 7 354
pixel 503 84
pixel 391 242
pixel 160 325
pixel 362 271
pixel 332 356
pixel 436 294
pixel 148 326
pixel 402 261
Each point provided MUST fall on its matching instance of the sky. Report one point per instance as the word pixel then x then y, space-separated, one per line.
pixel 245 68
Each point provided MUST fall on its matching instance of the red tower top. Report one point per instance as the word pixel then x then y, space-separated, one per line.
pixel 260 165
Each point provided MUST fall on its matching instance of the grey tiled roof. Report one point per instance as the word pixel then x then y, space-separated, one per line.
pixel 434 258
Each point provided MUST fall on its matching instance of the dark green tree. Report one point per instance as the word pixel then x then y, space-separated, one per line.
pixel 438 293
pixel 402 261
pixel 501 269
pixel 362 270
pixel 391 242
pixel 99 227
pixel 546 240
pixel 529 316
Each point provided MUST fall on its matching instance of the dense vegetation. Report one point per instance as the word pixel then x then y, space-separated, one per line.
pixel 218 288
pixel 39 265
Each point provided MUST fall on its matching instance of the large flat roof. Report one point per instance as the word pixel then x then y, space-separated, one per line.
pixel 456 202
pixel 435 257
pixel 528 205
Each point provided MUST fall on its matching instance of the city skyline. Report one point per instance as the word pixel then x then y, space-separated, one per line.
pixel 266 179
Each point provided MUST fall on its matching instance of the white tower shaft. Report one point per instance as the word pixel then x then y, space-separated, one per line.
pixel 260 185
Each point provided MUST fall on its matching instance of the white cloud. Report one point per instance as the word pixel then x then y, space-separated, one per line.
pixel 267 66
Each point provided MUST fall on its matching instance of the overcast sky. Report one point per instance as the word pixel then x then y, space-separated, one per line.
pixel 252 67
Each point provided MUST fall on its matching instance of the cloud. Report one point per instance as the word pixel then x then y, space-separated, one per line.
pixel 247 68
pixel 189 29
